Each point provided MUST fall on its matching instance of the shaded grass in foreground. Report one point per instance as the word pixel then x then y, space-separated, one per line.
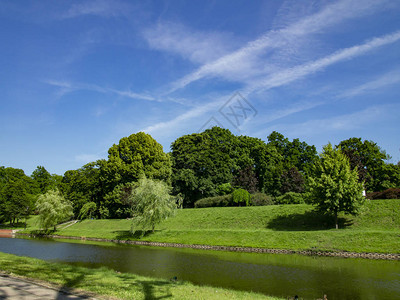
pixel 109 283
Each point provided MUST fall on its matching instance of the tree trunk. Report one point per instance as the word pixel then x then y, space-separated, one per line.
pixel 336 221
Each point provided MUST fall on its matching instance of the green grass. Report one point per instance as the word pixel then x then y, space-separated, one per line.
pixel 108 283
pixel 295 227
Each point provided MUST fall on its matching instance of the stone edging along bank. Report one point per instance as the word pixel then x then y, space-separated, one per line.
pixel 387 256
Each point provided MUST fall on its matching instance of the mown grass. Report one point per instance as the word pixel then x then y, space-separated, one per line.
pixel 111 284
pixel 296 227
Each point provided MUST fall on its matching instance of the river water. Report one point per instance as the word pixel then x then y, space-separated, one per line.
pixel 272 274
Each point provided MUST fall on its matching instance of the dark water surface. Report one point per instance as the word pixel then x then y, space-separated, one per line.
pixel 272 274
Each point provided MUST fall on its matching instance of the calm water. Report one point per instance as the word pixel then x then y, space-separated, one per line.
pixel 273 274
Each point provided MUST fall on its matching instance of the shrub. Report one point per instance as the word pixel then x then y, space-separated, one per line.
pixel 224 189
pixel 217 201
pixel 392 193
pixel 241 196
pixel 290 198
pixel 261 199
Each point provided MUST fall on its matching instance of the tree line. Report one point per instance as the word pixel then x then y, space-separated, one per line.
pixel 200 165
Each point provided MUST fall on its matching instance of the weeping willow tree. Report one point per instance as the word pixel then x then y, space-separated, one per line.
pixel 151 204
pixel 53 209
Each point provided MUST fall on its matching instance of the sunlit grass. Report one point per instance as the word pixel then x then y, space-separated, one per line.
pixel 109 283
pixel 296 227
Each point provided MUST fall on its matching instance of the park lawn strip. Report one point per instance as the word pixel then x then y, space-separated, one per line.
pixel 291 227
pixel 107 282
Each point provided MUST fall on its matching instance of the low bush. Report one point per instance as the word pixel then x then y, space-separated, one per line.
pixel 291 198
pixel 217 201
pixel 241 197
pixel 392 193
pixel 261 199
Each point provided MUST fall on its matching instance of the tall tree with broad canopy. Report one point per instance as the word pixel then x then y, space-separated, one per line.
pixel 133 157
pixel 83 185
pixel 151 203
pixel 17 194
pixel 295 153
pixel 43 179
pixel 53 209
pixel 334 187
pixel 369 159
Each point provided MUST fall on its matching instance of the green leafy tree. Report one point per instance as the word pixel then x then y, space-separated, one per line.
pixel 204 161
pixel 224 189
pixel 88 210
pixel 241 196
pixel 369 159
pixel 334 187
pixel 84 185
pixel 43 179
pixel 133 157
pixel 53 209
pixel 151 203
pixel 295 153
pixel 17 194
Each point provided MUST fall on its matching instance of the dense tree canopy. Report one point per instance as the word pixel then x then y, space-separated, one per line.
pixel 214 162
pixel 17 194
pixel 368 158
pixel 334 187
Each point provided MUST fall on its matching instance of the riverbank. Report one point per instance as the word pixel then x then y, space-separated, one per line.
pixel 281 228
pixel 110 284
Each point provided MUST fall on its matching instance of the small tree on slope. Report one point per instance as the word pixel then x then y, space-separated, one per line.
pixel 151 203
pixel 53 209
pixel 334 187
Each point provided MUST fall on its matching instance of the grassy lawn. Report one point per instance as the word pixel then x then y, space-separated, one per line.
pixel 108 283
pixel 296 227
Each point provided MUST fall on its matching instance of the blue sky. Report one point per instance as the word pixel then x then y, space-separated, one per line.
pixel 77 76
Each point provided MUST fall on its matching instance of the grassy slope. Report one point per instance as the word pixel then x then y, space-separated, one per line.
pixel 296 227
pixel 111 284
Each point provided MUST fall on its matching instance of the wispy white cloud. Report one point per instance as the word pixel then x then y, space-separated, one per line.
pixel 283 78
pixel 295 73
pixel 101 8
pixel 346 122
pixel 250 60
pixel 66 87
pixel 389 78
pixel 197 46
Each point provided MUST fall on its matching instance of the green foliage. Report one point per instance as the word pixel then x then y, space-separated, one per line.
pixel 241 196
pixel 224 189
pixel 17 194
pixel 261 199
pixel 135 156
pixel 217 201
pixel 204 161
pixel 369 159
pixel 53 209
pixel 290 198
pixel 151 203
pixel 88 210
pixel 294 153
pixel 335 187
pixel 83 186
pixel 44 180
